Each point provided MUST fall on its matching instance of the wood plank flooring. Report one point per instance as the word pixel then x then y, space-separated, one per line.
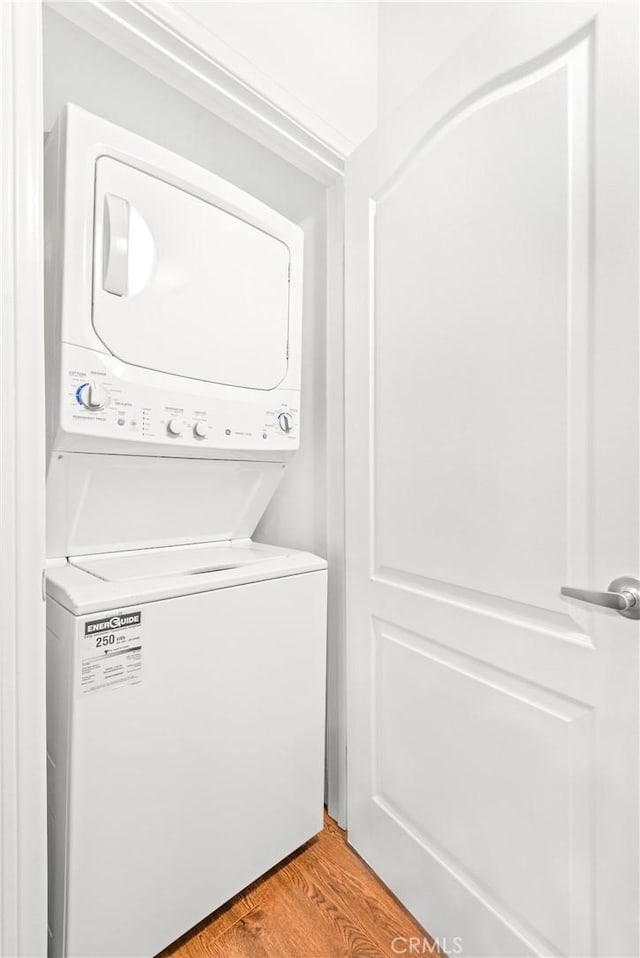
pixel 322 902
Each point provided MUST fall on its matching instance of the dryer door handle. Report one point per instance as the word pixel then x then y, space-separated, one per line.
pixel 115 249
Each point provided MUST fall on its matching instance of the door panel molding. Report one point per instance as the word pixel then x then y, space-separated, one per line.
pixel 509 644
pixel 515 684
pixel 572 799
pixel 520 933
pixel 575 65
pixel 512 80
pixel 519 614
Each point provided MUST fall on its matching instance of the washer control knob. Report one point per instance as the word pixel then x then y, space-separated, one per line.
pixel 93 397
pixel 174 427
pixel 200 430
pixel 285 419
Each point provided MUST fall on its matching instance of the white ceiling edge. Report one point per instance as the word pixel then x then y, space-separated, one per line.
pixel 159 38
pixel 223 31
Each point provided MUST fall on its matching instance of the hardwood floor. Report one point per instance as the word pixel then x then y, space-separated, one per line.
pixel 322 902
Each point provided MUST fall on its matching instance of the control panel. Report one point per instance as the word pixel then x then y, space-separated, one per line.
pixel 104 398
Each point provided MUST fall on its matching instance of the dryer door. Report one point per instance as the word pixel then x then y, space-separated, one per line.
pixel 184 287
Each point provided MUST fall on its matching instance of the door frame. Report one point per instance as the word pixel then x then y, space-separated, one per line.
pixel 154 40
pixel 23 795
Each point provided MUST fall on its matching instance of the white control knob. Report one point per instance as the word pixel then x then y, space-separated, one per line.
pixel 93 397
pixel 285 419
pixel 174 427
pixel 200 430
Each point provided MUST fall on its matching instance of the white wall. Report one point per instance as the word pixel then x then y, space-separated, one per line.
pixel 316 61
pixel 414 39
pixel 82 70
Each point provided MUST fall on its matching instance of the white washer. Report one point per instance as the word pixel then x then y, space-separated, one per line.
pixel 186 664
pixel 186 735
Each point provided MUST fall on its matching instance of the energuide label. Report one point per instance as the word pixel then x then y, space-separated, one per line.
pixel 111 651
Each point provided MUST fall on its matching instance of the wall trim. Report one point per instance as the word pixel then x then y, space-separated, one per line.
pixel 23 793
pixel 181 19
pixel 155 37
pixel 335 486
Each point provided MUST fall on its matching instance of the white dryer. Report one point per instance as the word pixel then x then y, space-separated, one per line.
pixel 186 663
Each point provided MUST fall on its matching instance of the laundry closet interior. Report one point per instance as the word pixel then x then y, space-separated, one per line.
pixel 342 456
pixel 164 450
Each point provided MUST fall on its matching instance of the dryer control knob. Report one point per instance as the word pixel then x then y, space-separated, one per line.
pixel 285 419
pixel 93 397
pixel 200 430
pixel 174 427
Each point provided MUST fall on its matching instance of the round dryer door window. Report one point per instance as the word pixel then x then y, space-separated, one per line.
pixel 183 287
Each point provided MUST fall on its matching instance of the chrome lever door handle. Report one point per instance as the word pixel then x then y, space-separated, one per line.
pixel 623 596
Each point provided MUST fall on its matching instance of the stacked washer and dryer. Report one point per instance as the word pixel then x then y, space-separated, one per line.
pixel 186 663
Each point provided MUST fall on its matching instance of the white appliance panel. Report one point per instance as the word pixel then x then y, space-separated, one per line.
pixel 191 289
pixel 103 503
pixel 207 772
pixel 146 411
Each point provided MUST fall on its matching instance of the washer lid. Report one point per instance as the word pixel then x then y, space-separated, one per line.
pixel 86 584
pixel 191 561
pixel 183 287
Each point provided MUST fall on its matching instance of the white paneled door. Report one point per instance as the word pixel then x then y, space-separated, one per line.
pixel 492 458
